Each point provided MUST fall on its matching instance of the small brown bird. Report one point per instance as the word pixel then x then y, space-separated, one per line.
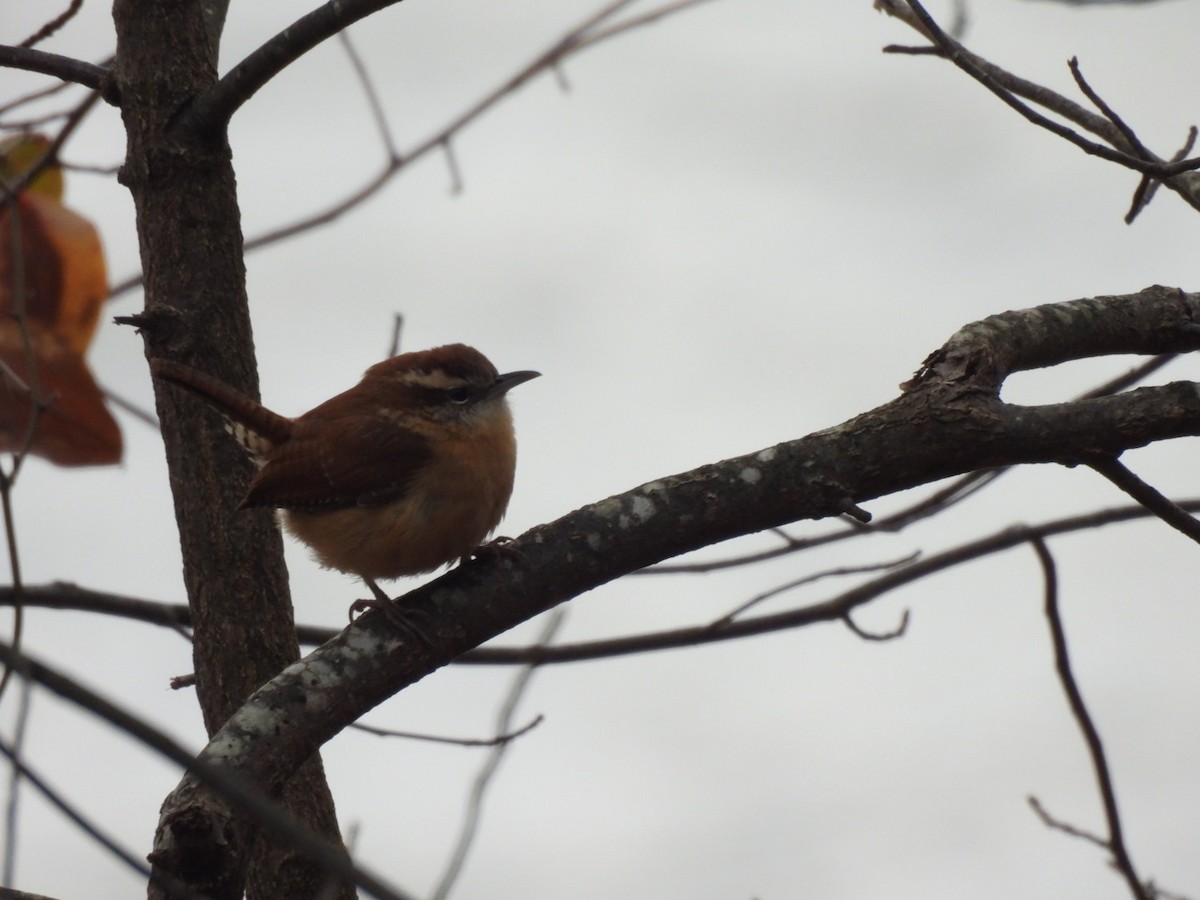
pixel 407 471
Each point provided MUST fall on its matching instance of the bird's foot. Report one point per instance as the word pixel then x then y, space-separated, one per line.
pixel 401 617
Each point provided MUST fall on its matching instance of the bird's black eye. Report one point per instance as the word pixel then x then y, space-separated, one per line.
pixel 458 394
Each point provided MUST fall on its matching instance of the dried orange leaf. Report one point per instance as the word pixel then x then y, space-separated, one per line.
pixel 19 152
pixel 52 284
pixel 63 280
pixel 73 427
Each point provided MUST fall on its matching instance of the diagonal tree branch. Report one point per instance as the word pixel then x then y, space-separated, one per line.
pixel 1163 507
pixel 582 36
pixel 65 67
pixel 1176 174
pixel 72 597
pixel 1062 662
pixel 213 109
pixel 229 784
pixel 949 421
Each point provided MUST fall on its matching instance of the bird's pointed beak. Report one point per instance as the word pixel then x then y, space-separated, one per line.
pixel 508 381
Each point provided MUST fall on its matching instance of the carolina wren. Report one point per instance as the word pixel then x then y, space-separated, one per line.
pixel 408 470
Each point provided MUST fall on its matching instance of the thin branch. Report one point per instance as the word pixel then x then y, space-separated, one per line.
pixel 33 124
pixel 1148 186
pixel 67 68
pixel 487 772
pixel 56 799
pixel 1065 827
pixel 90 169
pixel 72 597
pixel 494 741
pixel 368 86
pixel 1107 111
pixel 837 608
pixel 397 331
pixel 92 830
pixel 66 596
pixel 51 27
pixel 583 35
pixel 12 810
pixel 943 498
pixel 132 408
pixel 1062 662
pixel 1163 507
pixel 227 783
pixel 647 18
pixel 951 494
pixel 34 96
pixel 1007 89
pixel 213 109
pixel 1136 375
pixel 37 405
pixel 954 52
pixel 899 631
pixel 73 121
pixel 806 580
pixel 456 179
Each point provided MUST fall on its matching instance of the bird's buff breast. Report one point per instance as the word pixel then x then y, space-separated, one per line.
pixel 450 508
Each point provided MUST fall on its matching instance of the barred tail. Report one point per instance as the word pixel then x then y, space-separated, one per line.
pixel 254 426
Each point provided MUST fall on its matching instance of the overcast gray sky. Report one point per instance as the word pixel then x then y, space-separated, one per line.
pixel 735 227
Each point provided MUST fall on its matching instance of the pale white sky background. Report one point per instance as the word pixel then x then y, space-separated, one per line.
pixel 738 226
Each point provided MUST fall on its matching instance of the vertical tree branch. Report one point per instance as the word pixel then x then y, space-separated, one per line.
pixel 189 231
pixel 1062 662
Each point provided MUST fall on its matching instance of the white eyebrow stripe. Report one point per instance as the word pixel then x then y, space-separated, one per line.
pixel 435 379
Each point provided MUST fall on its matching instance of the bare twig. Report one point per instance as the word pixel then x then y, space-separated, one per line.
pixel 73 120
pixel 34 96
pixel 130 407
pixel 1163 507
pixel 240 793
pixel 1148 186
pixel 831 610
pixel 1116 841
pixel 64 67
pixel 84 824
pixel 33 123
pixel 1065 827
pixel 1008 88
pixel 213 109
pixel 90 169
pixel 368 86
pixel 503 726
pixel 801 582
pixel 47 30
pixel 896 632
pixel 456 179
pixel 955 492
pixel 1107 111
pixel 494 741
pixel 649 17
pixel 12 809
pixel 1136 375
pixel 37 405
pixel 56 799
pixel 586 34
pixel 397 331
pixel 72 597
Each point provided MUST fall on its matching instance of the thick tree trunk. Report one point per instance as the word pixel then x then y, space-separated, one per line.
pixel 196 310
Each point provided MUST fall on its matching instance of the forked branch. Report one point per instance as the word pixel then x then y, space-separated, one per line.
pixel 949 421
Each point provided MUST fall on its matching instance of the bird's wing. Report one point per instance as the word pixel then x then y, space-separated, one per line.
pixel 372 462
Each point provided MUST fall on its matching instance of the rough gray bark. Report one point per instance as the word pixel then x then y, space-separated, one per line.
pixel 950 420
pixel 189 230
